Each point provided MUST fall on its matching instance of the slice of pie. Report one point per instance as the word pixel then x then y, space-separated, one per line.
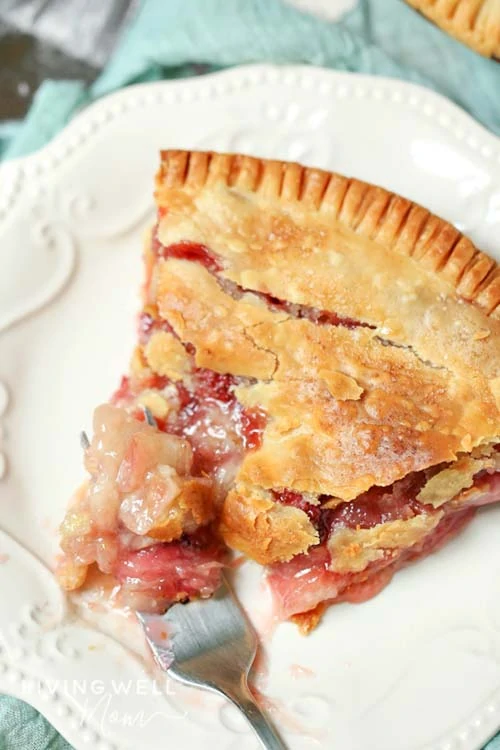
pixel 474 22
pixel 316 384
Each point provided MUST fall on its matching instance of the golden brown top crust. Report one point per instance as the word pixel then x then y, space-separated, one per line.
pixel 349 406
pixel 165 355
pixel 474 22
pixel 323 436
pixel 450 482
pixel 262 529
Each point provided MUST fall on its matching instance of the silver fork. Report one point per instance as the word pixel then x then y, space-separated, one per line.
pixel 211 645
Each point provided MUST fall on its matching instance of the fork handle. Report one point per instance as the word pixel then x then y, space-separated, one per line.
pixel 243 699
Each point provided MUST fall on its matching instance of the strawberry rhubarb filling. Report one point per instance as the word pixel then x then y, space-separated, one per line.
pixel 336 570
pixel 147 516
pixel 166 451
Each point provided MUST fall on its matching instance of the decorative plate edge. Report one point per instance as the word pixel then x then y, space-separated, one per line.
pixel 14 175
pixel 86 124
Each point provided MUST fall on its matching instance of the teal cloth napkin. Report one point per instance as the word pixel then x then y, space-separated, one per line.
pixel 170 39
pixel 164 39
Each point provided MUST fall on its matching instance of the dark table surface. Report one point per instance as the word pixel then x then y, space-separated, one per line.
pixel 59 39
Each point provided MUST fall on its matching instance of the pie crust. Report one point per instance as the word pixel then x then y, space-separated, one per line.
pixel 351 343
pixel 474 22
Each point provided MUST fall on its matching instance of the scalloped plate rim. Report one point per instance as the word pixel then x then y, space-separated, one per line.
pixel 252 71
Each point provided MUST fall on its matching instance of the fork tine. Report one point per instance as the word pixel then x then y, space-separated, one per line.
pixel 149 417
pixel 84 440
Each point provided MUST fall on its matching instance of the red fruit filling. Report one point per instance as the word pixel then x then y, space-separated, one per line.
pixel 377 505
pixel 192 251
pixel 204 411
pixel 210 417
pixel 199 253
pixel 123 392
pixel 148 325
pixel 320 317
pixel 153 577
pixel 303 583
pixel 306 581
pixel 218 428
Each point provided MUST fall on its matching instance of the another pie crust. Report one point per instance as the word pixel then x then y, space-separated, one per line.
pixel 474 22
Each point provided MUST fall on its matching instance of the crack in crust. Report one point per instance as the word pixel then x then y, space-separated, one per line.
pixel 366 209
pixel 348 406
pixel 287 406
pixel 421 376
pixel 237 292
pixel 411 350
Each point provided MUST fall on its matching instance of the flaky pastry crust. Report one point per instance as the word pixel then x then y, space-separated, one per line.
pixel 406 377
pixel 352 550
pixel 261 528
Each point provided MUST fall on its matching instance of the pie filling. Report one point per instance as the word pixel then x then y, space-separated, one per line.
pixel 148 515
pixel 200 254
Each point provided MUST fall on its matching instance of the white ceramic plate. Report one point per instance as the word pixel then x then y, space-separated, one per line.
pixel 416 668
